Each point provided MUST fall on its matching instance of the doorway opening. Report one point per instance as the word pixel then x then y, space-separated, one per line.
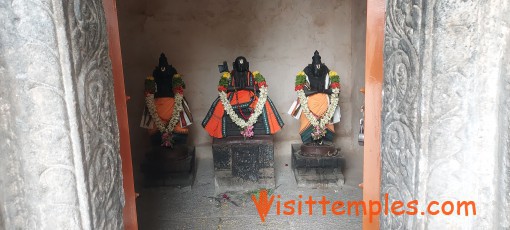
pixel 278 38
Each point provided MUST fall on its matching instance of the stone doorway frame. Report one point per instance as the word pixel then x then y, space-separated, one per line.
pixel 59 136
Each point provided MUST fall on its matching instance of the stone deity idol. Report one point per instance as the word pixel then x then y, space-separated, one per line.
pixel 316 108
pixel 167 115
pixel 243 107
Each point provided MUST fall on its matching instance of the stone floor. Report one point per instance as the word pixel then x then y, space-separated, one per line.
pixel 193 207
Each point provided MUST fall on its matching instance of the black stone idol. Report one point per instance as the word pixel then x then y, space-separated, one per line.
pixel 317 162
pixel 169 161
pixel 242 121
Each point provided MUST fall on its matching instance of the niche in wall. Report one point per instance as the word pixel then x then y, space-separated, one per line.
pixel 277 37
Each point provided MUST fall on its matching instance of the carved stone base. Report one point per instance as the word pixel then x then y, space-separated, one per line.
pixel 317 171
pixel 170 167
pixel 243 164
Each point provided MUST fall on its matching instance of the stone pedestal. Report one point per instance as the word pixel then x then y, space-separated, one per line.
pixel 170 167
pixel 317 170
pixel 241 164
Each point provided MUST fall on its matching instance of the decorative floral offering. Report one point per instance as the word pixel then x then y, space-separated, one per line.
pixel 245 126
pixel 318 124
pixel 247 132
pixel 166 130
pixel 166 139
pixel 223 84
pixel 318 133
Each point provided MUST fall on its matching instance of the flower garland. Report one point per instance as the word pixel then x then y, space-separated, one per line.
pixel 319 125
pixel 246 126
pixel 178 89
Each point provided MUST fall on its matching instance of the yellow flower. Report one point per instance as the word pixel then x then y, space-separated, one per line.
pixel 150 78
pixel 177 75
pixel 256 73
pixel 226 75
pixel 301 73
pixel 333 73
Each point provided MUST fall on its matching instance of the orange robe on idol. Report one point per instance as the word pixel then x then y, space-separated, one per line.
pixel 269 122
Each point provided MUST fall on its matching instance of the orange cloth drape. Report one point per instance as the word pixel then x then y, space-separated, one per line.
pixel 318 105
pixel 215 124
pixel 164 108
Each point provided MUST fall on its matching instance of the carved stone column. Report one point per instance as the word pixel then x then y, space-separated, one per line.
pixel 59 150
pixel 446 116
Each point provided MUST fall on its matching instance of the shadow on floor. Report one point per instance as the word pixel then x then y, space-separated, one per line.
pixel 195 208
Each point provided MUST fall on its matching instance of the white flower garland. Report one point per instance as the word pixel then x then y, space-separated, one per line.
pixel 259 108
pixel 149 100
pixel 326 118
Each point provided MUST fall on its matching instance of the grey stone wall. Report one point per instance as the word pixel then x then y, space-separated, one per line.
pixel 503 165
pixel 445 118
pixel 59 150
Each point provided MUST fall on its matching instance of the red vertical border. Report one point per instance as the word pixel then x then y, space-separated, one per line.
pixel 112 25
pixel 373 105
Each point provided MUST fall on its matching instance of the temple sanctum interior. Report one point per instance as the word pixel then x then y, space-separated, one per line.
pixel 277 38
pixel 267 114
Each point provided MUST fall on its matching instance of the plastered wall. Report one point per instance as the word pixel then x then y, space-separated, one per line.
pixel 277 37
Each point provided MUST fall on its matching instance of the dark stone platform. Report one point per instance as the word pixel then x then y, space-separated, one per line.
pixel 170 167
pixel 317 170
pixel 241 164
